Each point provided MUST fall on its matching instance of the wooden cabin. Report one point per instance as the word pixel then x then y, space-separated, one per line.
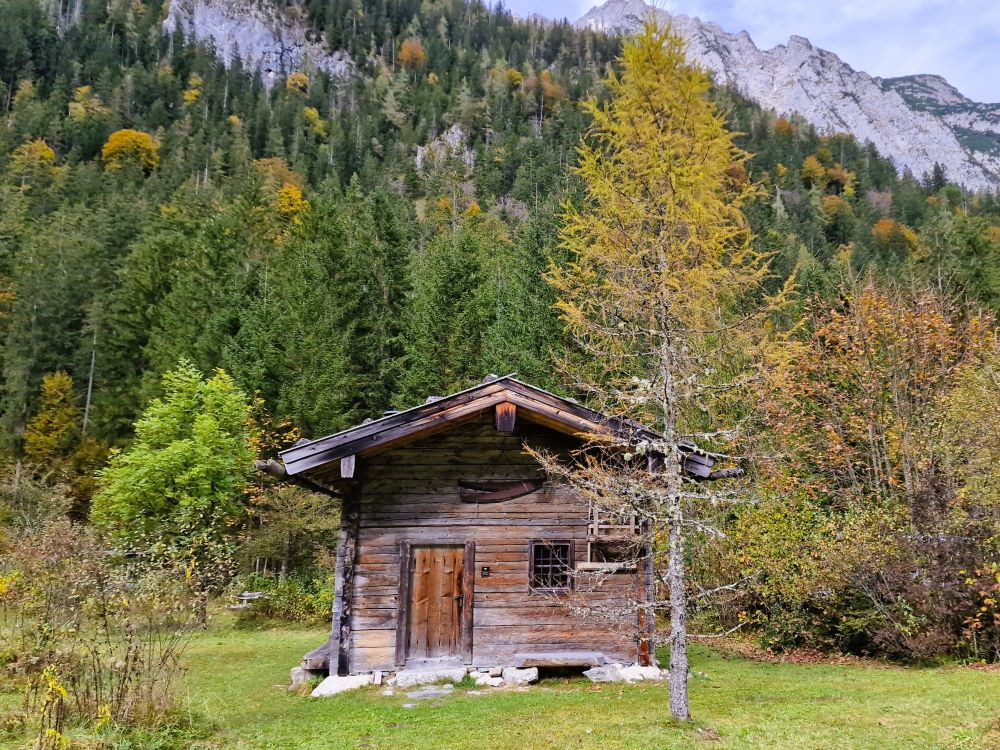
pixel 454 550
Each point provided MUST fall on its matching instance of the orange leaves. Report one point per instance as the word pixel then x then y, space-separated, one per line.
pixel 835 207
pixel 889 233
pixel 784 126
pixel 412 54
pixel 856 402
pixel 276 171
pixel 546 82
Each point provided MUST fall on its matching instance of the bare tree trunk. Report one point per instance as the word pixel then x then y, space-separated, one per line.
pixel 679 707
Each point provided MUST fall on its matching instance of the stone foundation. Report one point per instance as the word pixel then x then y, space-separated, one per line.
pixel 493 677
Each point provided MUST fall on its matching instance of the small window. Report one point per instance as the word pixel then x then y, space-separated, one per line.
pixel 551 566
pixel 612 557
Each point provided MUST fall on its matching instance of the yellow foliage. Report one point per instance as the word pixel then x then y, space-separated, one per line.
pixel 290 203
pixel 34 156
pixel 86 104
pixel 131 148
pixel 515 76
pixel 316 122
pixel 193 92
pixel 813 172
pixel 234 121
pixel 25 93
pixel 841 179
pixel 432 78
pixel 473 209
pixel 297 81
pixel 659 244
pixel 51 432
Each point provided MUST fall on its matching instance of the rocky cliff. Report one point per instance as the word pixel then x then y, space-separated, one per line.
pixel 263 38
pixel 916 121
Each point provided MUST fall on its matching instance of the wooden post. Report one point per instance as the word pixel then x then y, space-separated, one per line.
pixel 647 586
pixel 336 621
pixel 403 603
pixel 468 600
pixel 340 650
pixel 650 590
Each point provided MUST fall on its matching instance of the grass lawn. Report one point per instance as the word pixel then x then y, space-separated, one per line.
pixel 237 680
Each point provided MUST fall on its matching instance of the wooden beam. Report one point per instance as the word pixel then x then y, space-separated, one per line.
pixel 468 600
pixel 403 603
pixel 506 417
pixel 340 663
pixel 347 466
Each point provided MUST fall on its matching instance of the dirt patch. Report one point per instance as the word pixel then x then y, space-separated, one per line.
pixel 981 667
pixel 755 652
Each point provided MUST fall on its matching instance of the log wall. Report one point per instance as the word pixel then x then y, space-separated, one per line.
pixel 411 494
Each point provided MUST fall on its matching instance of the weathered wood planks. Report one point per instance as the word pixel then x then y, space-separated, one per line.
pixel 410 497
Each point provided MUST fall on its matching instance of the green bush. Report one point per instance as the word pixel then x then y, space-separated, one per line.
pixel 300 599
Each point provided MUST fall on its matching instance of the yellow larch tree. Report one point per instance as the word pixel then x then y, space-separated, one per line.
pixel 662 295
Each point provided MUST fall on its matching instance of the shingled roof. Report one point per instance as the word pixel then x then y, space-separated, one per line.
pixel 325 461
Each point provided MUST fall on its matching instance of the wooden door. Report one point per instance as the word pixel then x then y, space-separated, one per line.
pixel 434 628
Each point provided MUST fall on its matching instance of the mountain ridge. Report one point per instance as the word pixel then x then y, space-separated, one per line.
pixel 916 121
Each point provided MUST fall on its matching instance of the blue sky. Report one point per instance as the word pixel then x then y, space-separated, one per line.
pixel 959 39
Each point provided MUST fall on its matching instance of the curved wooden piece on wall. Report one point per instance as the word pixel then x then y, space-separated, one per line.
pixel 497 490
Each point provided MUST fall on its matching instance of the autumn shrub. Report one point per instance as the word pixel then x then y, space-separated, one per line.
pixel 880 521
pixel 91 642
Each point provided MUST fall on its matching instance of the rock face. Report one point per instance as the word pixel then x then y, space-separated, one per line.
pixel 916 121
pixel 263 38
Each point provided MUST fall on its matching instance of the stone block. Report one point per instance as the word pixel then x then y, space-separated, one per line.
pixel 513 676
pixel 299 677
pixel 635 673
pixel 412 677
pixel 335 684
pixel 483 679
pixel 607 673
